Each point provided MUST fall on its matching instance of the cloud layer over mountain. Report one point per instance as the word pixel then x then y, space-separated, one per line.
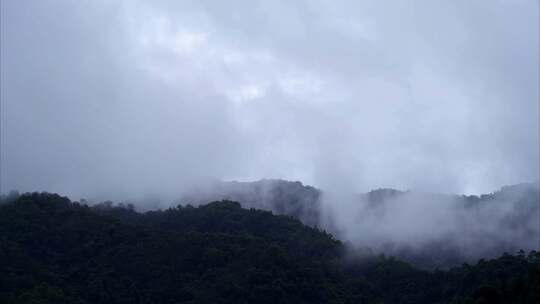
pixel 122 97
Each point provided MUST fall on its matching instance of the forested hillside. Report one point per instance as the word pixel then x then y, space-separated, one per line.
pixel 53 250
pixel 282 197
pixel 429 230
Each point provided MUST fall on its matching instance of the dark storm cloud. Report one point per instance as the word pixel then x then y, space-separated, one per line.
pixel 102 97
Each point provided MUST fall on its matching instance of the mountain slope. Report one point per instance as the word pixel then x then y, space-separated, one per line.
pixel 56 251
pixel 218 253
pixel 427 229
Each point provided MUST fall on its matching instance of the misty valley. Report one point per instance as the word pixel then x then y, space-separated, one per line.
pixel 272 241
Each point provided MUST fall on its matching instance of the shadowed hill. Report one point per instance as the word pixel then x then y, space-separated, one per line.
pixel 56 251
pixel 218 253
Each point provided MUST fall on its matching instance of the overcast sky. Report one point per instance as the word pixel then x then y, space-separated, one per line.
pixel 134 96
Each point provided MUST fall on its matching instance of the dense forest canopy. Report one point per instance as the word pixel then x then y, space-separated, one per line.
pixel 53 250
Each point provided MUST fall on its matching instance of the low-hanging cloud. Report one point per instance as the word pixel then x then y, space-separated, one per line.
pixel 125 98
pixel 439 229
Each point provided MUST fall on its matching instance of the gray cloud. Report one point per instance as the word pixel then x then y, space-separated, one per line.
pixel 130 97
